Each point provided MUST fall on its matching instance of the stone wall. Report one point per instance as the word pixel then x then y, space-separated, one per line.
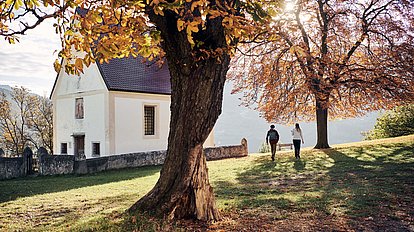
pixel 55 164
pixel 129 160
pixel 224 152
pixel 66 164
pixel 12 167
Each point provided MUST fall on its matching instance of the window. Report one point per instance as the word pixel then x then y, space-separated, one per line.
pixel 149 120
pixel 63 148
pixel 96 149
pixel 79 108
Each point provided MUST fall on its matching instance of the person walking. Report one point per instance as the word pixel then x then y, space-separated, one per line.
pixel 297 138
pixel 272 137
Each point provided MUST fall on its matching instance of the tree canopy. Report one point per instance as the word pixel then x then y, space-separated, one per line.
pixel 350 57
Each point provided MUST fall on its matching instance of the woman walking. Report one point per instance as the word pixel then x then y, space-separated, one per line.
pixel 297 138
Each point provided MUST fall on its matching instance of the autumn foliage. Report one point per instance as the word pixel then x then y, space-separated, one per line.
pixel 350 57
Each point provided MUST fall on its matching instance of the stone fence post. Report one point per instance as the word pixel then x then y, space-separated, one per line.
pixel 245 148
pixel 28 160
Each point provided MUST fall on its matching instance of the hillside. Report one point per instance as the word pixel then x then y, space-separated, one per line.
pixel 366 186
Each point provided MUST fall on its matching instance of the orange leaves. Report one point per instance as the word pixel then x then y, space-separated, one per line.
pixel 57 66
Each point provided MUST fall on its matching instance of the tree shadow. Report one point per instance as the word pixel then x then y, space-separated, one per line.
pixel 30 186
pixel 373 187
pixel 299 165
pixel 369 188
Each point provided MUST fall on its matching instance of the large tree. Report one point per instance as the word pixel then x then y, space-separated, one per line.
pixel 345 57
pixel 196 37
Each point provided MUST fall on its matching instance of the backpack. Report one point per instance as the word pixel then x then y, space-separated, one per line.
pixel 273 135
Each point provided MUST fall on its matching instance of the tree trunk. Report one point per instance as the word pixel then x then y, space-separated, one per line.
pixel 321 124
pixel 183 189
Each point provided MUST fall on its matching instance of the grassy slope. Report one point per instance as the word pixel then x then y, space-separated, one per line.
pixel 358 186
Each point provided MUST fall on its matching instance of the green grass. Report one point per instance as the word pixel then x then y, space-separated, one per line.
pixel 358 186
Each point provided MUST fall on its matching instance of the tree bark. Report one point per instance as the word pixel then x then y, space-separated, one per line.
pixel 183 189
pixel 321 124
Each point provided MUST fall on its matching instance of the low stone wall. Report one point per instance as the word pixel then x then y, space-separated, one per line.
pixel 12 167
pixel 66 164
pixel 130 160
pixel 55 164
pixel 224 152
pixel 136 159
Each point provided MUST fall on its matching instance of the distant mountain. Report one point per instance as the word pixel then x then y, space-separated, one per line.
pixel 237 122
pixel 5 89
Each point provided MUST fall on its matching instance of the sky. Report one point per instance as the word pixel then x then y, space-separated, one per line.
pixel 30 62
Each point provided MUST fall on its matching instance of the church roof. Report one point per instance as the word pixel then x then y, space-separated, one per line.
pixel 133 75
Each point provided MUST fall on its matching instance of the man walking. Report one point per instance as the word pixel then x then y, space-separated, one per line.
pixel 272 137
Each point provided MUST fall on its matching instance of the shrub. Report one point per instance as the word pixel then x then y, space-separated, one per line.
pixel 393 123
pixel 264 148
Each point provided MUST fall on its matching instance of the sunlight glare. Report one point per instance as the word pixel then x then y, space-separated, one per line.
pixel 289 6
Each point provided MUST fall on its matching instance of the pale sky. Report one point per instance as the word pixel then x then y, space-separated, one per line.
pixel 30 62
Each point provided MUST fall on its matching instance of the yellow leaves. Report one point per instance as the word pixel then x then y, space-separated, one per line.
pixel 228 21
pixel 98 19
pixel 180 24
pixel 159 10
pixel 197 4
pixel 299 51
pixel 57 66
pixel 214 13
pixel 18 4
pixel 68 33
pixel 79 64
pixel 11 40
pixel 191 27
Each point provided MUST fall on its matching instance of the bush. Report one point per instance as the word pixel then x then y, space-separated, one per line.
pixel 394 123
pixel 264 148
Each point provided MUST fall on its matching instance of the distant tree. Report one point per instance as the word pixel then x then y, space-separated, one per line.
pixel 393 123
pixel 25 120
pixel 345 57
pixel 13 120
pixel 196 38
pixel 40 122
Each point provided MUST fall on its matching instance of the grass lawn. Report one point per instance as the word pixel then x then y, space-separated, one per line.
pixel 365 186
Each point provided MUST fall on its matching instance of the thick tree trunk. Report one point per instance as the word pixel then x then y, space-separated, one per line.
pixel 183 189
pixel 321 125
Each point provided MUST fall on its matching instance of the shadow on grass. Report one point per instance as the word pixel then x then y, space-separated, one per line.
pixel 375 186
pixel 372 186
pixel 24 187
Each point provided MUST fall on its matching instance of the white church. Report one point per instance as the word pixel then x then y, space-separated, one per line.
pixel 112 108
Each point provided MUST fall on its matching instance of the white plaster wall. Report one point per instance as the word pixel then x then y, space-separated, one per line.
pixel 92 125
pixel 129 122
pixel 91 87
pixel 90 80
